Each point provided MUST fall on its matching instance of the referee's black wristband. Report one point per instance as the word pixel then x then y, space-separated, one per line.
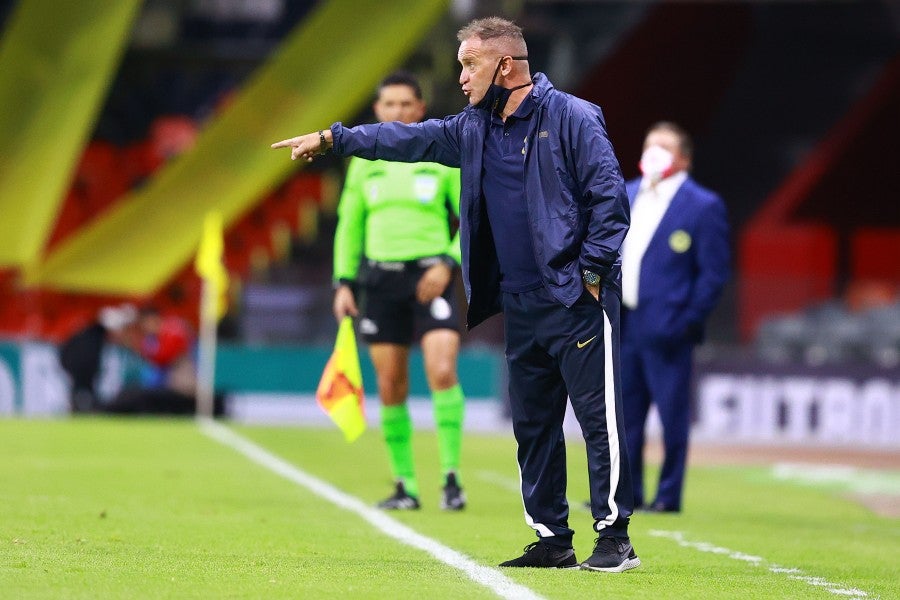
pixel 448 260
pixel 348 282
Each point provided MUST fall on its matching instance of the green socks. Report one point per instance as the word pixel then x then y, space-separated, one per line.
pixel 448 417
pixel 396 425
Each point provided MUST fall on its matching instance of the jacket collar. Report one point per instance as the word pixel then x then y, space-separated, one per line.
pixel 541 88
pixel 539 93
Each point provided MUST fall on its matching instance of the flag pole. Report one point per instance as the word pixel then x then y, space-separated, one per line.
pixel 211 269
pixel 206 356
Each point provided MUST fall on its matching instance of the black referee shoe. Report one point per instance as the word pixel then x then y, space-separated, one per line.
pixel 612 555
pixel 400 500
pixel 544 556
pixel 453 498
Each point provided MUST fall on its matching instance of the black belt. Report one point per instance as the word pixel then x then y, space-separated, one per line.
pixel 401 265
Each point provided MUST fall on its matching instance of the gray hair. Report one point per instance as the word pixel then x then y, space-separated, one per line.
pixel 495 28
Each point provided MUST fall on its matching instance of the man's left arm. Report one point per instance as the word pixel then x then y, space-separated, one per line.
pixel 713 264
pixel 602 193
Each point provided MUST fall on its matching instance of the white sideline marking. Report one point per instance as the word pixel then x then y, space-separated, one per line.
pixel 758 561
pixel 489 577
pixel 860 481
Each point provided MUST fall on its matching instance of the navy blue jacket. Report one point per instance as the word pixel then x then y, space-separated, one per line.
pixel 684 268
pixel 574 190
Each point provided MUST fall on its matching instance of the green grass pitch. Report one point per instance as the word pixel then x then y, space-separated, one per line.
pixel 145 508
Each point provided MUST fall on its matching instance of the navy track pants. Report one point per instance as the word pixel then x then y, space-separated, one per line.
pixel 554 352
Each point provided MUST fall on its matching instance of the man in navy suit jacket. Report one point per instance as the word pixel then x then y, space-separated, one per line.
pixel 675 261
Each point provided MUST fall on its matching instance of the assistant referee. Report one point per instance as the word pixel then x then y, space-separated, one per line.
pixel 393 248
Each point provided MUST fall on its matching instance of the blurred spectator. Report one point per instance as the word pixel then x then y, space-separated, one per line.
pixel 172 135
pixel 675 262
pixel 170 379
pixel 80 354
pixel 168 346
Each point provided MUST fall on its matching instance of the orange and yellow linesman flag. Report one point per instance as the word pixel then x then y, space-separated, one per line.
pixel 210 267
pixel 340 392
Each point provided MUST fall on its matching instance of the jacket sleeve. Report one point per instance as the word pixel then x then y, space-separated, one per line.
pixel 602 191
pixel 349 236
pixel 713 257
pixel 434 140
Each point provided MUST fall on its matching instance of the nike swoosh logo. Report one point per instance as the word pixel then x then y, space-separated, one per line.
pixel 585 343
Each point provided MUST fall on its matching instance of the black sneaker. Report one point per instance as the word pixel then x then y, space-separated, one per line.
pixel 612 555
pixel 400 500
pixel 454 498
pixel 544 556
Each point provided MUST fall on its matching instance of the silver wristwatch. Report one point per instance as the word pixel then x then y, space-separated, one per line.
pixel 590 278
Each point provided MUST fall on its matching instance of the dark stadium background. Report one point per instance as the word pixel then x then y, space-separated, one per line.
pixel 793 106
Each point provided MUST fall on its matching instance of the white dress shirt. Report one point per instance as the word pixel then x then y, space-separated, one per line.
pixel 647 211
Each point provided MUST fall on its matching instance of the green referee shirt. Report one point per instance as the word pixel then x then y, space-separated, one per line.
pixel 392 211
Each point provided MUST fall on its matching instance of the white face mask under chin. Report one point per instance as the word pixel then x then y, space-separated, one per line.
pixel 656 163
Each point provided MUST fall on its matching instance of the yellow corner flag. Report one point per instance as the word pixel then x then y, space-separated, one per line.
pixel 340 392
pixel 209 264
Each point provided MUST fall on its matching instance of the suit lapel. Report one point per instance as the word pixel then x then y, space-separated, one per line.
pixel 674 208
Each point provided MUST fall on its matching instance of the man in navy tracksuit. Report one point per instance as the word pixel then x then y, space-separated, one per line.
pixel 543 214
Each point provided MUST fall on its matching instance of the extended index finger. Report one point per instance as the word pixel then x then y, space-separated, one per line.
pixel 286 143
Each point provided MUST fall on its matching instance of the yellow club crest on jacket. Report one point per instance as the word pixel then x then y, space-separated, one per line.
pixel 680 241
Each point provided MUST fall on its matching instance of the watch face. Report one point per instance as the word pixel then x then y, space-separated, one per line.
pixel 590 277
